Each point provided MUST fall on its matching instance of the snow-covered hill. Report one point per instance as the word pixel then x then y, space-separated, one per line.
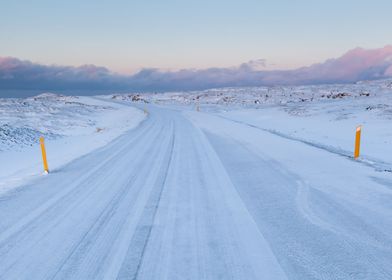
pixel 52 116
pixel 71 126
pixel 257 97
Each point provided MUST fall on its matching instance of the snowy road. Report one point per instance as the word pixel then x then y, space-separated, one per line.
pixel 172 200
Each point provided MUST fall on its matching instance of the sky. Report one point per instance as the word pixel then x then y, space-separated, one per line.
pixel 128 36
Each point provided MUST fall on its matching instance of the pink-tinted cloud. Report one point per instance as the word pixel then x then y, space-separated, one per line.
pixel 357 64
pixel 388 72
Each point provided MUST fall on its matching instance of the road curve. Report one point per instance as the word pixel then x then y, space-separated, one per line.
pixel 168 200
pixel 154 204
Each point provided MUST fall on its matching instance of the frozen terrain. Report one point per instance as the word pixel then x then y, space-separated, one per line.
pixel 324 116
pixel 72 127
pixel 219 184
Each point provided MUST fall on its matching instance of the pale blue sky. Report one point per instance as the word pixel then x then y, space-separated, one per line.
pixel 128 35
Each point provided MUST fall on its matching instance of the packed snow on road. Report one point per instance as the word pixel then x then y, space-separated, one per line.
pixel 232 183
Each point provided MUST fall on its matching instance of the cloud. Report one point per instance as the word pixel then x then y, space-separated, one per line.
pixel 257 64
pixel 388 72
pixel 21 74
pixel 357 64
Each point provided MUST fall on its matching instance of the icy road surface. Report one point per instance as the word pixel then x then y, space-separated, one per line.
pixel 193 196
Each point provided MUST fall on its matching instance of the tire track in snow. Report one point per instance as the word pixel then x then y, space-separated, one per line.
pixel 84 179
pixel 108 166
pixel 204 229
pixel 307 245
pixel 145 155
pixel 138 245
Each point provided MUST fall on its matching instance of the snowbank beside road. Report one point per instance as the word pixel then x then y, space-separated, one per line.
pixel 330 125
pixel 72 127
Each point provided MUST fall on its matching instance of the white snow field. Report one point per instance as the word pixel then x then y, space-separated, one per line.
pixel 72 127
pixel 236 191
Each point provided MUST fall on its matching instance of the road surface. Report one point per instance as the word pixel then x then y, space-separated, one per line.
pixel 169 200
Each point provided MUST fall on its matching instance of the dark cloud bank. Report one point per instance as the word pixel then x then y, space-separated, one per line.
pixel 357 64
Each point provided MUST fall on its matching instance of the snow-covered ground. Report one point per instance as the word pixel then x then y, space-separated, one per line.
pixel 71 126
pixel 258 97
pixel 239 183
pixel 331 125
pixel 325 116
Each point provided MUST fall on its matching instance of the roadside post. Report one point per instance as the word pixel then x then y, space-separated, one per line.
pixel 43 150
pixel 357 142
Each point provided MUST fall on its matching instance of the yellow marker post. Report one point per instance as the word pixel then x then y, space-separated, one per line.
pixel 357 142
pixel 42 142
